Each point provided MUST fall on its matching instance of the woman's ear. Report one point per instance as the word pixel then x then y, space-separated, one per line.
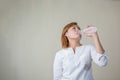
pixel 66 34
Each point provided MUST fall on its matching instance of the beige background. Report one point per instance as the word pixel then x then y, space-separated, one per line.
pixel 30 35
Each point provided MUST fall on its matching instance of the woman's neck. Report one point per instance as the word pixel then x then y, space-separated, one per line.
pixel 74 43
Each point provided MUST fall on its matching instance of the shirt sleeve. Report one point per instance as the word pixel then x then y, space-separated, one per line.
pixel 57 67
pixel 98 58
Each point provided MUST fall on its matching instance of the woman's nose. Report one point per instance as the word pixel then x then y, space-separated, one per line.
pixel 77 30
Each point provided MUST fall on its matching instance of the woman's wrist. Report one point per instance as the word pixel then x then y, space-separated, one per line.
pixel 95 36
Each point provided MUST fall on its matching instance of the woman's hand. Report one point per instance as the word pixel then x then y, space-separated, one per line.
pixel 93 34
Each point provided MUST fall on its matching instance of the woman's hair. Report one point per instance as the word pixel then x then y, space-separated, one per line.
pixel 64 39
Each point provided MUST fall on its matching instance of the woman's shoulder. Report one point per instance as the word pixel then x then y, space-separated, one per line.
pixel 60 52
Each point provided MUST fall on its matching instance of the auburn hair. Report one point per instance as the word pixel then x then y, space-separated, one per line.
pixel 64 39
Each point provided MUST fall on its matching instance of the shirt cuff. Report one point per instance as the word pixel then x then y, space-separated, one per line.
pixel 99 55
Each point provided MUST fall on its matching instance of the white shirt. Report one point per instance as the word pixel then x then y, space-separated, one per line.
pixel 77 66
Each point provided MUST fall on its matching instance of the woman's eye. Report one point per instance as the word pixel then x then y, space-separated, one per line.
pixel 73 27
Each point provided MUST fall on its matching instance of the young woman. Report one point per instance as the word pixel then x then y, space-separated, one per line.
pixel 74 60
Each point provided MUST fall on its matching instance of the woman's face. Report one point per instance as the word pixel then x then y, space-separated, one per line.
pixel 73 32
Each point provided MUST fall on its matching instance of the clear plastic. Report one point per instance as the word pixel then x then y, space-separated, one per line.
pixel 88 30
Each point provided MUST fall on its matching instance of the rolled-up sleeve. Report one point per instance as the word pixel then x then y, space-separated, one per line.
pixel 98 58
pixel 57 67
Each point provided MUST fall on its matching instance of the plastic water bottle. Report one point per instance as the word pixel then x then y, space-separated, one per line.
pixel 88 30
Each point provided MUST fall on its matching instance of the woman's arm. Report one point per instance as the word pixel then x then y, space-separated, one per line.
pixel 96 40
pixel 97 43
pixel 98 54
